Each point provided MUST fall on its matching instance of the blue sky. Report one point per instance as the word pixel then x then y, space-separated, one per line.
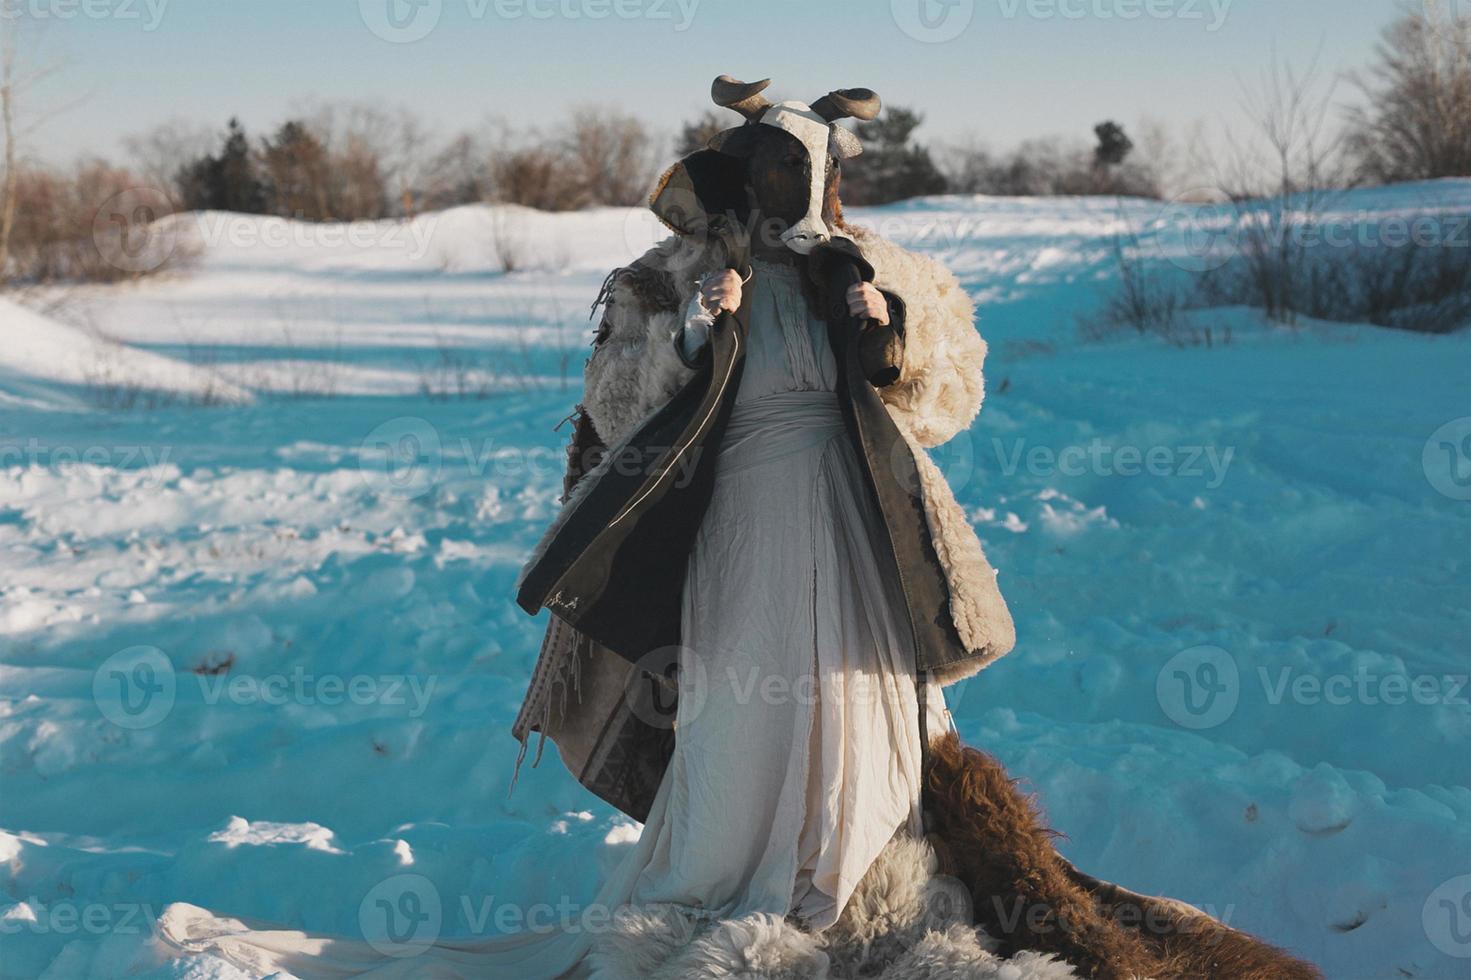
pixel 998 70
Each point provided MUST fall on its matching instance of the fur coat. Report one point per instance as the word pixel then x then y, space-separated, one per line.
pixel 610 720
pixel 637 368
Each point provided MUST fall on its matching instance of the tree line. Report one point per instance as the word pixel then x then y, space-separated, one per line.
pixel 356 162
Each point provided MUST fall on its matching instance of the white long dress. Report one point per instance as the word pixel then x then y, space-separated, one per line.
pixel 797 755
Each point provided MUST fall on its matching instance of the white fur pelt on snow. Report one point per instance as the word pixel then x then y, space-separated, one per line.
pixel 905 921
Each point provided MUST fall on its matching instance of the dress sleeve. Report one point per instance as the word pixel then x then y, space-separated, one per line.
pixel 694 333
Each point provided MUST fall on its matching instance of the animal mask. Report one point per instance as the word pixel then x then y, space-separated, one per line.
pixel 783 163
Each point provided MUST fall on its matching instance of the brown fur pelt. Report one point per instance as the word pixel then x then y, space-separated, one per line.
pixel 584 450
pixel 990 836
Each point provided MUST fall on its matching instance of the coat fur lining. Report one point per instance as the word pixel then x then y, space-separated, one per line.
pixel 940 390
pixel 980 614
pixel 636 368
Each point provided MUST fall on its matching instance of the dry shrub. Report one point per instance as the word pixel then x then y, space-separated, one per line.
pixel 65 231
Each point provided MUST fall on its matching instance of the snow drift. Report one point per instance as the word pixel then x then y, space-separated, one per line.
pixel 326 581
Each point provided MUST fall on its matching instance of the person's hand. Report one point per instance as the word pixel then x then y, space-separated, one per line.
pixel 721 291
pixel 865 301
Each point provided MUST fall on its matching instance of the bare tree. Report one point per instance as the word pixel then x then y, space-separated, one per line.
pixel 1416 123
pixel 162 153
pixel 55 233
pixel 393 138
pixel 15 79
pixel 967 164
pixel 694 136
pixel 612 156
pixel 21 73
pixel 330 165
pixel 1057 166
pixel 1157 166
pixel 7 112
pixel 535 177
pixel 1284 173
pixel 599 156
pixel 1291 256
pixel 458 174
pixel 361 190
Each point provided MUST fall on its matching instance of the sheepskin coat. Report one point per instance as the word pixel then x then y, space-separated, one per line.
pixel 637 368
pixel 612 730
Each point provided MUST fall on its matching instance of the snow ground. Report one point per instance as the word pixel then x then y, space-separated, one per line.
pixel 262 657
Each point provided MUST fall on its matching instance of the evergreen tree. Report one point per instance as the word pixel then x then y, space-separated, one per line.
pixel 227 182
pixel 238 188
pixel 1113 145
pixel 193 183
pixel 892 167
pixel 297 173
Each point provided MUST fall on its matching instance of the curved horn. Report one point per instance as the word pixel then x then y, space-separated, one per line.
pixel 743 97
pixel 860 103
